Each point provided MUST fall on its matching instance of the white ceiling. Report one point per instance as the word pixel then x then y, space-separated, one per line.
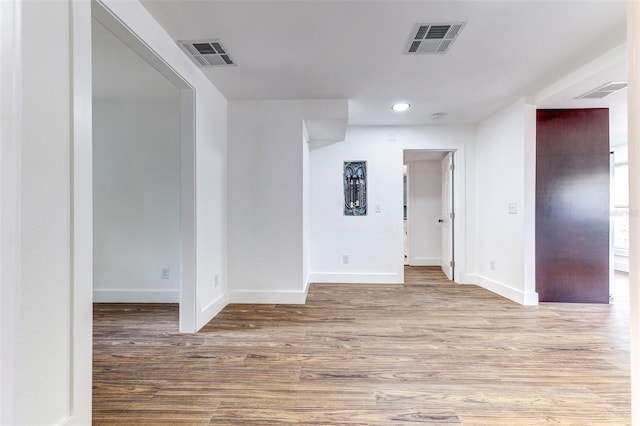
pixel 310 49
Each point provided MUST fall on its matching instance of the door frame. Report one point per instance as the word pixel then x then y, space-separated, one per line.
pixel 187 301
pixel 459 205
pixel 449 158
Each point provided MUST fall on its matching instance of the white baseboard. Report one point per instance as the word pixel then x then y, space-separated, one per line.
pixel 306 286
pixel 271 297
pixel 268 297
pixel 356 278
pixel 135 296
pixel 425 261
pixel 518 296
pixel 621 263
pixel 211 309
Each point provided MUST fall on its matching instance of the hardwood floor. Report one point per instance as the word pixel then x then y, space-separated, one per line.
pixel 425 352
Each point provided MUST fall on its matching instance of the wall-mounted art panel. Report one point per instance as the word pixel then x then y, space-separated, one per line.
pixel 355 188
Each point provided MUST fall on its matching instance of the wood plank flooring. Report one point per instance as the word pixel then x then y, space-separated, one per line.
pixel 427 352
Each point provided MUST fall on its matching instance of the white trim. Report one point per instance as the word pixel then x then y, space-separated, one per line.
pixel 622 252
pixel 307 284
pixel 188 297
pixel 425 261
pixel 357 278
pixel 268 297
pixel 82 214
pixel 633 98
pixel 211 310
pixel 459 202
pixel 504 290
pixel 10 140
pixel 621 263
pixel 529 207
pixel 135 296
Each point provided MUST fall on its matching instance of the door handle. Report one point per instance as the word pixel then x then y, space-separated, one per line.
pixel 440 220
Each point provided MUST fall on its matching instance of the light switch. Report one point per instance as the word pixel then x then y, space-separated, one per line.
pixel 378 208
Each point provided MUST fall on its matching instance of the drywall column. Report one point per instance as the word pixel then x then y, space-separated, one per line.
pixel 633 39
pixel 53 307
pixel 267 173
pixel 504 239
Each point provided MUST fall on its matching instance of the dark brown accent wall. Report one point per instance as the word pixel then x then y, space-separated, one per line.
pixel 572 205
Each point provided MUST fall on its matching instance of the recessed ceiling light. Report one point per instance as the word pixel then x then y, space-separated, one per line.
pixel 399 107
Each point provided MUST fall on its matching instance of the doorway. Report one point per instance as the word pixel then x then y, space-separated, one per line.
pixel 429 218
pixel 144 174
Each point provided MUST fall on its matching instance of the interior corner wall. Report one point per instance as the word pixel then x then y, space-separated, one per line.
pixel 424 209
pixel 502 178
pixel 374 243
pixel 136 173
pixel 266 198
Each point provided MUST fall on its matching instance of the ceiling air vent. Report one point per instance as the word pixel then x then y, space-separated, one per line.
pixel 433 38
pixel 206 53
pixel 603 91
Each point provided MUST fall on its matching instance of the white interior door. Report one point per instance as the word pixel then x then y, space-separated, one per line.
pixel 447 219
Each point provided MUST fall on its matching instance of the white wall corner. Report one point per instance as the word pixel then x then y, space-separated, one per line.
pixel 504 290
pixel 211 309
pixel 307 284
pixel 135 296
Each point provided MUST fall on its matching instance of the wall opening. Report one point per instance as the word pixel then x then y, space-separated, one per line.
pixel 144 173
pixel 429 211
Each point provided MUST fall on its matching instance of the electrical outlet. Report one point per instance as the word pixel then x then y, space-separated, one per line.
pixel 164 273
pixel 345 259
pixel 492 265
pixel 216 280
pixel 513 208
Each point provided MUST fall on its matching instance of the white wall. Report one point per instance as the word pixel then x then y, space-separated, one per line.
pixel 10 86
pixel 374 243
pixel 44 349
pixel 424 210
pixel 136 171
pixel 503 176
pixel 210 158
pixel 266 201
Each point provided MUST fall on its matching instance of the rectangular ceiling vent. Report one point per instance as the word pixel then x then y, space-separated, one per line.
pixel 433 38
pixel 207 53
pixel 604 90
